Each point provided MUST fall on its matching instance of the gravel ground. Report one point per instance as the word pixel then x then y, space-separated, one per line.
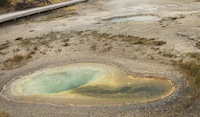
pixel 146 48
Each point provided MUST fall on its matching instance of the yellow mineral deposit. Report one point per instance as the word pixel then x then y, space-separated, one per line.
pixel 88 84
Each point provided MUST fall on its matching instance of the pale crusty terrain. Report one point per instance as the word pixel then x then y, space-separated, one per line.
pixel 83 33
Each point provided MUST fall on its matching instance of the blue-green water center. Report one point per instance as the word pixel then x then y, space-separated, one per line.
pixel 91 81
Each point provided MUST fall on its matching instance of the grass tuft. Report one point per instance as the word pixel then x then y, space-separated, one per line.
pixel 16 61
pixel 4 46
pixel 198 45
pixel 17 58
pixel 192 69
pixel 4 114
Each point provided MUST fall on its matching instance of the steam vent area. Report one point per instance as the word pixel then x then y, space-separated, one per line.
pixel 88 84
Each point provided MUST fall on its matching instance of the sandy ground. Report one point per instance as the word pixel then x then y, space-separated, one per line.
pixel 83 33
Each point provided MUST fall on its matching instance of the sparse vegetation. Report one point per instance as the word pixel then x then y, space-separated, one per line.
pixel 2 53
pixel 17 58
pixel 16 50
pixel 25 42
pixel 66 44
pixel 5 3
pixel 143 41
pixel 93 47
pixel 26 4
pixel 33 42
pixel 186 102
pixel 4 46
pixel 35 48
pixel 32 52
pixel 192 68
pixel 11 5
pixel 198 45
pixel 4 114
pixel 16 61
pixel 104 49
pixel 107 49
pixel 128 38
pixel 59 50
pixel 167 54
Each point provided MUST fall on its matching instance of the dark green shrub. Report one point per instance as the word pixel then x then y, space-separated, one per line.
pixel 24 5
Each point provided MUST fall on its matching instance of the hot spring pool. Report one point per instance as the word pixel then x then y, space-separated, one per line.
pixel 88 84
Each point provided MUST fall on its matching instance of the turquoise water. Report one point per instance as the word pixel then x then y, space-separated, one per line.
pixel 88 84
pixel 65 79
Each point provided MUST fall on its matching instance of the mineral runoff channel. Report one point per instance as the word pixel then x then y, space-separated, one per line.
pixel 86 84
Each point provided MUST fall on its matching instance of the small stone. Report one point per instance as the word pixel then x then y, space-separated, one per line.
pixel 58 36
pixel 193 38
pixel 182 33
